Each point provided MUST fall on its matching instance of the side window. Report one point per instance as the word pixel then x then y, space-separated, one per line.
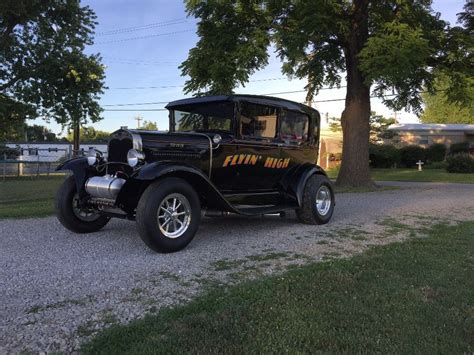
pixel 294 127
pixel 258 121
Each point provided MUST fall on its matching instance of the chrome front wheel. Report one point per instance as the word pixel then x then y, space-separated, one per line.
pixel 72 215
pixel 84 214
pixel 174 215
pixel 168 214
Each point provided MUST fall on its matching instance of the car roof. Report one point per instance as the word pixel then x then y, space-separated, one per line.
pixel 257 99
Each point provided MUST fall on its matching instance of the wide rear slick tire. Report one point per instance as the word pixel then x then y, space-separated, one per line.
pixel 70 217
pixel 318 202
pixel 168 215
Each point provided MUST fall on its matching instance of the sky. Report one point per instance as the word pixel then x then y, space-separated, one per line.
pixel 142 63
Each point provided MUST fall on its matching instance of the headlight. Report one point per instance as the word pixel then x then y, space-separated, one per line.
pixel 134 157
pixel 93 156
pixel 217 139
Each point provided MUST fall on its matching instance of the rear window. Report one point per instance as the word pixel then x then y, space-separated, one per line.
pixel 294 127
pixel 258 121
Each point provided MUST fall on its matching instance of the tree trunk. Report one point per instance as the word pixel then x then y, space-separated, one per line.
pixel 355 117
pixel 76 139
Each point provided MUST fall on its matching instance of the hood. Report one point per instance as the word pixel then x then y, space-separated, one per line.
pixel 159 145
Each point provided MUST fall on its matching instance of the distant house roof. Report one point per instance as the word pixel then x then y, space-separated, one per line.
pixel 467 128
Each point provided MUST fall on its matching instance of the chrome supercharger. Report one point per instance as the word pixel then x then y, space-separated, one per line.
pixel 107 186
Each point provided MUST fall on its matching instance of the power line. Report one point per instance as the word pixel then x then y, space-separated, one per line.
pixel 138 60
pixel 315 101
pixel 299 91
pixel 141 110
pixel 142 27
pixel 143 37
pixel 182 86
pixel 139 63
pixel 165 102
pixel 137 104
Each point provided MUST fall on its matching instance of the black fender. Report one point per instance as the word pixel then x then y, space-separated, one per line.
pixel 134 187
pixel 80 170
pixel 301 176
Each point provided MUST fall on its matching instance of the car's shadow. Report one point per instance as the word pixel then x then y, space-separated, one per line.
pixel 231 229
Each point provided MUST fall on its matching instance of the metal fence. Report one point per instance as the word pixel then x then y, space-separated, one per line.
pixel 32 162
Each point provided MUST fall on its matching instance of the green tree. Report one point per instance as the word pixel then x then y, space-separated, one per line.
pixel 378 127
pixel 389 47
pixel 43 70
pixel 24 132
pixel 438 109
pixel 149 125
pixel 38 133
pixel 90 134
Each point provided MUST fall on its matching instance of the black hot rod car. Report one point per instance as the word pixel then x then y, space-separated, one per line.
pixel 244 154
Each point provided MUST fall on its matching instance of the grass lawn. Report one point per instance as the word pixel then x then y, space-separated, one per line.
pixel 412 297
pixel 34 197
pixel 427 175
pixel 28 197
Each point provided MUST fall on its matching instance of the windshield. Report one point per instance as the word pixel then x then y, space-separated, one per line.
pixel 204 117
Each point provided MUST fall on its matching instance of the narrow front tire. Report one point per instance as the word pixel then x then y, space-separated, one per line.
pixel 75 218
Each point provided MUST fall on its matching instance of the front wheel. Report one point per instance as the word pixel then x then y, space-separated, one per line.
pixel 318 202
pixel 168 215
pixel 75 218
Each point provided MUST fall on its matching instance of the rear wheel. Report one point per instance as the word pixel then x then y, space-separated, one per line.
pixel 74 217
pixel 168 215
pixel 317 206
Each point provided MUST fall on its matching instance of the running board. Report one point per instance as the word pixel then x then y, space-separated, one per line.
pixel 261 210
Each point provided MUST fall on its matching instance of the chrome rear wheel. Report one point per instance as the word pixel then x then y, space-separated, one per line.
pixel 323 200
pixel 317 205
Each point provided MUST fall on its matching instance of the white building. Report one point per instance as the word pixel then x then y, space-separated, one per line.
pixel 50 151
pixel 427 134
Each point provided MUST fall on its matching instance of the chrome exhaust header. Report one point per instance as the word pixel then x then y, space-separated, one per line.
pixel 107 186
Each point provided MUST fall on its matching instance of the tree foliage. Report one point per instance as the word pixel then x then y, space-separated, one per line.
pixel 438 108
pixel 43 70
pixel 90 134
pixel 28 133
pixel 378 127
pixel 149 125
pixel 393 47
pixel 405 40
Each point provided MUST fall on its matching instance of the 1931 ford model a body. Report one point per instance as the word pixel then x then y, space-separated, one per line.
pixel 250 155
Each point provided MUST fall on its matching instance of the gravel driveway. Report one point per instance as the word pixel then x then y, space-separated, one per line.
pixel 58 288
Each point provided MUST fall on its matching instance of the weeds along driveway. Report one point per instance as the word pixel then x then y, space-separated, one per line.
pixel 58 288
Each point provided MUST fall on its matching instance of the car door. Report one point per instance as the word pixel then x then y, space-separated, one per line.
pixel 296 145
pixel 257 147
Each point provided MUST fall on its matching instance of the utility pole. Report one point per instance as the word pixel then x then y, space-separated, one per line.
pixel 395 116
pixel 138 119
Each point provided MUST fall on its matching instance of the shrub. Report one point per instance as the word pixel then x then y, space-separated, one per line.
pixel 436 152
pixel 456 148
pixel 383 156
pixel 460 163
pixel 410 154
